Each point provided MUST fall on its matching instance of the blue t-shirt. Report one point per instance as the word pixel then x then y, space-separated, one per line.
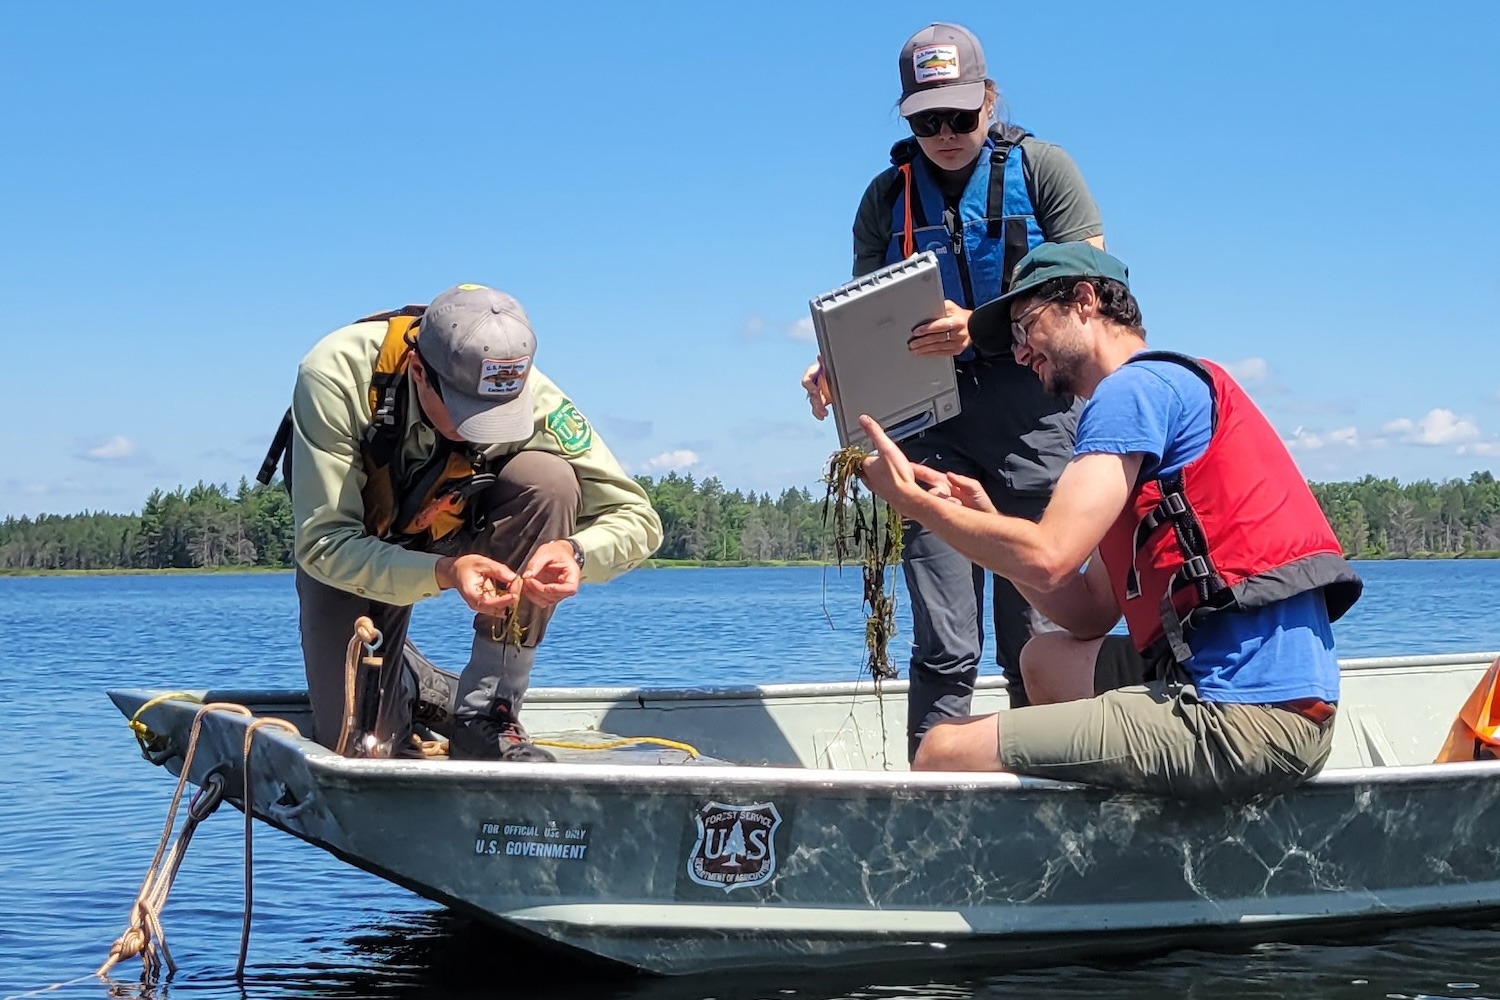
pixel 1276 653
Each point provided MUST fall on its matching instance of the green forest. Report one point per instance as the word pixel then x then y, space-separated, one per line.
pixel 213 526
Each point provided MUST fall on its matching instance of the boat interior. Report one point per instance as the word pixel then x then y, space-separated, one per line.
pixel 1393 711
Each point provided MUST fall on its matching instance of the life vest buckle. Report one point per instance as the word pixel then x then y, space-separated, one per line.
pixel 1197 568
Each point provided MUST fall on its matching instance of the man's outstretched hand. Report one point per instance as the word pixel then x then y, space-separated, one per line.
pixel 489 587
pixel 892 476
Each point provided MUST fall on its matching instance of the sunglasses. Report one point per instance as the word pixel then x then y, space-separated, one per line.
pixel 432 379
pixel 926 124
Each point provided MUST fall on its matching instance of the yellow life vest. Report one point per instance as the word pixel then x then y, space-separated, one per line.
pixel 430 500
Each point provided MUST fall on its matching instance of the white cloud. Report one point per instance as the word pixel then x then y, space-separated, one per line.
pixel 116 449
pixel 1438 427
pixel 682 458
pixel 752 328
pixel 1303 439
pixel 1347 436
pixel 802 330
pixel 1487 448
pixel 1249 371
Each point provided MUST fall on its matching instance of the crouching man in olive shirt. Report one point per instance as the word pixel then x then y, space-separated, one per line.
pixel 429 454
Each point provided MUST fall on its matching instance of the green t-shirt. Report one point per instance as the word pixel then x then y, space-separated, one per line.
pixel 1065 210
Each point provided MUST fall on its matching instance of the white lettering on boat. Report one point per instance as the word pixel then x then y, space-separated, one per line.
pixel 522 838
pixel 533 849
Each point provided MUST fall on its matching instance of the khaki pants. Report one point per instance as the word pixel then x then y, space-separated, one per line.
pixel 1160 738
pixel 535 500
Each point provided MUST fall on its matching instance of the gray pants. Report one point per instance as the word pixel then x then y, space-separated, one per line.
pixel 536 500
pixel 947 591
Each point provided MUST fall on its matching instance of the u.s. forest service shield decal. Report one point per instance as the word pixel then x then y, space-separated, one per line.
pixel 736 845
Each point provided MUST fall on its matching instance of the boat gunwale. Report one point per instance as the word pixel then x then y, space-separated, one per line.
pixel 801 689
pixel 669 777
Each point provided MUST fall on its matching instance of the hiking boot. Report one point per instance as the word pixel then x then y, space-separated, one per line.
pixel 437 693
pixel 495 736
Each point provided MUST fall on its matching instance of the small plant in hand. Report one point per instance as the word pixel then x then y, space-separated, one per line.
pixel 513 632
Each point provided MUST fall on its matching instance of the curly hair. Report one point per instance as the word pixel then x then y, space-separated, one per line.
pixel 1116 303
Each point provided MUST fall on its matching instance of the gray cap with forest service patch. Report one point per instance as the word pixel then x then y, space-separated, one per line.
pixel 942 66
pixel 478 343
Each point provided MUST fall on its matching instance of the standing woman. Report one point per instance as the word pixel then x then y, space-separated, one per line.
pixel 979 194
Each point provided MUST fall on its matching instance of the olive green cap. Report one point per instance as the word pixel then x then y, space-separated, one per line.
pixel 989 326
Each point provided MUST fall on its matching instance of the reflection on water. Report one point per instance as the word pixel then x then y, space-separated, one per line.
pixel 80 813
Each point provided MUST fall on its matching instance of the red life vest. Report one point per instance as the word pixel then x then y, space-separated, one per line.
pixel 1235 528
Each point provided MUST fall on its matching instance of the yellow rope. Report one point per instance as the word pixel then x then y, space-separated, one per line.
pixel 143 733
pixel 624 741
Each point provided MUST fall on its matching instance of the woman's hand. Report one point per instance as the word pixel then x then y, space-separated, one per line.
pixel 945 336
pixel 816 387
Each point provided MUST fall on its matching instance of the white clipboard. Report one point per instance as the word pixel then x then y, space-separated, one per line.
pixel 862 329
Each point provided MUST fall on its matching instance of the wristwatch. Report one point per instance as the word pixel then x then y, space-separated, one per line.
pixel 577 552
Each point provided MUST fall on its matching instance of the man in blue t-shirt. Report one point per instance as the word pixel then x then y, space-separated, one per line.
pixel 1181 509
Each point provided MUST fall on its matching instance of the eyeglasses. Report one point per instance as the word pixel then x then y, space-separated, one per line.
pixel 926 124
pixel 1020 330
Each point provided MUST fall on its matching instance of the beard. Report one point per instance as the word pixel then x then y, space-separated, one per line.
pixel 1067 370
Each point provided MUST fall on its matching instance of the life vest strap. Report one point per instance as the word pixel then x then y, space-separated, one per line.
pixel 908 234
pixel 1172 508
pixel 279 443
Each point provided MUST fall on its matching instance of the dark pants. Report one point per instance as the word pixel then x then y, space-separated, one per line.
pixel 947 591
pixel 535 500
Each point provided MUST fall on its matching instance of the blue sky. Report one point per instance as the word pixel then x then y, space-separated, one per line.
pixel 192 194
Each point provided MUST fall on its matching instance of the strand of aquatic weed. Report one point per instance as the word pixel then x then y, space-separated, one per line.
pixel 872 532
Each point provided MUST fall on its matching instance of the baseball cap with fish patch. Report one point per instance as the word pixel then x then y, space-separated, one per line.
pixel 478 343
pixel 942 66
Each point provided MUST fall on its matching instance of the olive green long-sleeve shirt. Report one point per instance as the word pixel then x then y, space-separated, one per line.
pixel 617 528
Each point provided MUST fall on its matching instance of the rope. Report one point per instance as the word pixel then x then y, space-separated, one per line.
pixel 144 936
pixel 282 724
pixel 367 635
pixel 144 737
pixel 48 989
pixel 623 741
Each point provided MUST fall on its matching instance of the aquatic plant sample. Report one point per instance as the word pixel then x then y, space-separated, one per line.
pixel 872 532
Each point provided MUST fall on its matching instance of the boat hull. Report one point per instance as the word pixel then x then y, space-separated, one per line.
pixel 678 869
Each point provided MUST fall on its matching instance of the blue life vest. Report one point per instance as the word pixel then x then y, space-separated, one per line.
pixel 979 245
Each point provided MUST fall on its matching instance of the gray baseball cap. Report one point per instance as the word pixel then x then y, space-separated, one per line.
pixel 479 344
pixel 942 66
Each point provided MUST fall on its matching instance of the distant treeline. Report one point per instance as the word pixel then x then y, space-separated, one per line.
pixel 212 526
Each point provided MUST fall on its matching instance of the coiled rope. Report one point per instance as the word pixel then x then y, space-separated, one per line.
pixel 144 936
pixel 368 636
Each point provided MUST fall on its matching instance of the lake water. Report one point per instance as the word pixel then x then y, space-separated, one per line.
pixel 80 812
